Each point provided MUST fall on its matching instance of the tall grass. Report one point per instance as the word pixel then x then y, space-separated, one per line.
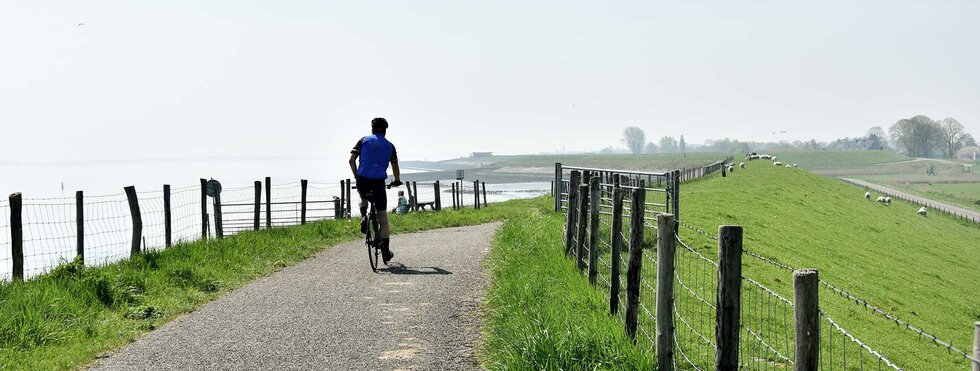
pixel 541 313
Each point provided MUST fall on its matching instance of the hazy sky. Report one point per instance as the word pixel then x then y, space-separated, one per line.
pixel 175 78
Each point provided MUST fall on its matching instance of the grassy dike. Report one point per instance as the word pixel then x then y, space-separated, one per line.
pixel 542 314
pixel 65 319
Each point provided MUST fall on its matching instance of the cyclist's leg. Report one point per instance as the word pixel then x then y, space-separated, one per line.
pixel 362 188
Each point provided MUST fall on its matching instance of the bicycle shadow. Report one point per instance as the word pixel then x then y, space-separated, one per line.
pixel 399 268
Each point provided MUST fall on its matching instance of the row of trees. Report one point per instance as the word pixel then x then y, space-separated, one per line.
pixel 636 140
pixel 920 136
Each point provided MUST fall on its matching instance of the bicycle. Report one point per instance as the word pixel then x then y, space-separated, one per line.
pixel 374 244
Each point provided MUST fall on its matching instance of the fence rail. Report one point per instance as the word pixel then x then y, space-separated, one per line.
pixel 718 317
pixel 41 233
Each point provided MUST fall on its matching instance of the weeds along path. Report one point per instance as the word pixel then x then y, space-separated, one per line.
pixel 332 312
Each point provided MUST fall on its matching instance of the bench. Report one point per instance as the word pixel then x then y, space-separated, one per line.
pixel 422 205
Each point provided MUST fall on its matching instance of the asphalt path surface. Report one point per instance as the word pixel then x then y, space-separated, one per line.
pixel 331 312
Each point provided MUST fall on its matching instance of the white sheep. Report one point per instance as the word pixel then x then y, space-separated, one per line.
pixel 773 158
pixel 731 168
pixel 796 165
pixel 888 200
pixel 867 195
pixel 788 166
pixel 777 163
pixel 880 199
pixel 741 165
pixel 922 211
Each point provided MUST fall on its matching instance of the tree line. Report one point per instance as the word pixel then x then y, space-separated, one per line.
pixel 918 136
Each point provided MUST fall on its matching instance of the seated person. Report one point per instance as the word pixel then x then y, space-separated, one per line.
pixel 402 204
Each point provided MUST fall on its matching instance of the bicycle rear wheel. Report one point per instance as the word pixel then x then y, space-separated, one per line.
pixel 372 246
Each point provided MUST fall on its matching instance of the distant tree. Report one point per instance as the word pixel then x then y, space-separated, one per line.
pixel 682 146
pixel 951 135
pixel 968 140
pixel 916 135
pixel 879 135
pixel 650 148
pixel 634 139
pixel 668 144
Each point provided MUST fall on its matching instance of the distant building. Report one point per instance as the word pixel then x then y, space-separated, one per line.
pixel 481 154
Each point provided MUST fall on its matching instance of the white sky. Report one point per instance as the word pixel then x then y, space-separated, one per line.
pixel 177 79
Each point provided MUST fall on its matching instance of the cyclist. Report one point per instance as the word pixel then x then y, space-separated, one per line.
pixel 374 153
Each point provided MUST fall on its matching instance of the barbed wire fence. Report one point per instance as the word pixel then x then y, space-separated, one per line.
pixel 767 326
pixel 52 233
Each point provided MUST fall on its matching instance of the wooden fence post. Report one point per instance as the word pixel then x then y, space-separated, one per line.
pixel 204 209
pixel 976 345
pixel 343 196
pixel 134 211
pixel 80 226
pixel 571 219
pixel 459 193
pixel 583 224
pixel 676 210
pixel 303 183
pixel 415 190
pixel 557 186
pixel 346 191
pixel 665 292
pixel 411 196
pixel 635 262
pixel 168 222
pixel 219 225
pixel 616 247
pixel 268 202
pixel 257 208
pixel 806 315
pixel 17 236
pixel 454 195
pixel 728 311
pixel 438 200
pixel 594 229
pixel 476 194
pixel 484 187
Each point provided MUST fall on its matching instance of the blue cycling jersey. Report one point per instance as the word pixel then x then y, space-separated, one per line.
pixel 375 154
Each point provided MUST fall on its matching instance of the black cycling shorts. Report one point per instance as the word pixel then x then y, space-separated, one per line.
pixel 377 190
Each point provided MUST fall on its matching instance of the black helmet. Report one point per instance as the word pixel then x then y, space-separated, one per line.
pixel 379 124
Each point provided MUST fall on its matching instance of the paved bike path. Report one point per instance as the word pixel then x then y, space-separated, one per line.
pixel 331 312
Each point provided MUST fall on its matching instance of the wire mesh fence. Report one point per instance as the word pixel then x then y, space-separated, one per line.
pixel 767 321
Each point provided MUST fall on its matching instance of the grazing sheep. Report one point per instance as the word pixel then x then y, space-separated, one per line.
pixel 867 195
pixel 777 163
pixel 731 168
pixel 788 166
pixel 741 165
pixel 888 200
pixel 922 211
pixel 880 199
pixel 796 165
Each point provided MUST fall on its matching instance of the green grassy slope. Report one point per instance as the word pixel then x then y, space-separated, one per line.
pixel 923 269
pixel 824 160
pixel 65 319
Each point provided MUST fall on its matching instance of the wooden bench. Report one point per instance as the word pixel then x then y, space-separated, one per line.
pixel 422 205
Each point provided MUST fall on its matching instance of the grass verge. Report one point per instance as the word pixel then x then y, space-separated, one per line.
pixel 541 312
pixel 67 318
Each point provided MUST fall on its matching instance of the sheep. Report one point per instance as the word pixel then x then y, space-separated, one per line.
pixel 880 199
pixel 773 158
pixel 867 196
pixel 777 163
pixel 796 165
pixel 922 211
pixel 731 168
pixel 888 200
pixel 788 166
pixel 741 165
